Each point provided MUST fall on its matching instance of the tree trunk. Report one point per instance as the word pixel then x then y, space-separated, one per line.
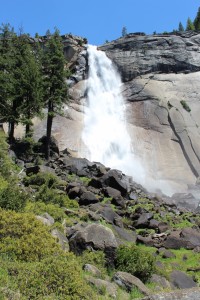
pixel 27 130
pixel 49 127
pixel 28 125
pixel 11 131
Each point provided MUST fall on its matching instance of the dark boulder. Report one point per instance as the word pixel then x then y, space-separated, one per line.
pixel 191 235
pixel 94 237
pixel 128 281
pixel 181 280
pixel 88 198
pixel 143 220
pixel 114 179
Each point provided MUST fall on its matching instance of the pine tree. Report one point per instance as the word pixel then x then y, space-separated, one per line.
pixel 190 25
pixel 180 27
pixel 124 31
pixel 54 81
pixel 197 20
pixel 29 81
pixel 8 101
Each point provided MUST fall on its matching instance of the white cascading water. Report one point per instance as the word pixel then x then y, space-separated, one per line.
pixel 105 134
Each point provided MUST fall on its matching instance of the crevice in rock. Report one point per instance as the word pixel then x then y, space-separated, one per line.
pixel 183 148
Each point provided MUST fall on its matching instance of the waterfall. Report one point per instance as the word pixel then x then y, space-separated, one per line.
pixel 105 134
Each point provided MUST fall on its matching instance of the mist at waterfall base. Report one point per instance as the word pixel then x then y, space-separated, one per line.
pixel 105 133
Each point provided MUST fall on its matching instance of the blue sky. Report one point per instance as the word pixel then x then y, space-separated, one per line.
pixel 97 20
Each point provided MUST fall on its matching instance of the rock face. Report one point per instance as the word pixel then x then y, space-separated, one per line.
pixel 161 87
pixel 161 75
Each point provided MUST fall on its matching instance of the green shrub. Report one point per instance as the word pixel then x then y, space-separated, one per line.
pixel 96 258
pixel 185 105
pixel 48 195
pixel 7 166
pixel 25 238
pixel 136 261
pixel 39 208
pixel 41 178
pixel 54 277
pixel 12 197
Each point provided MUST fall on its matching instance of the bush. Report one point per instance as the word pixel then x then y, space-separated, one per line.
pixel 39 208
pixel 12 197
pixel 48 195
pixel 54 277
pixel 39 179
pixel 136 261
pixel 25 238
pixel 96 258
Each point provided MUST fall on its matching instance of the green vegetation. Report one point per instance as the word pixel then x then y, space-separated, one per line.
pixel 185 105
pixel 180 27
pixel 124 31
pixel 190 25
pixel 131 259
pixel 55 89
pixel 197 20
pixel 32 77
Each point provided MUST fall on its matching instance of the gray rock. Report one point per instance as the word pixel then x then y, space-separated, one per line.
pixel 161 282
pixel 46 219
pixel 62 240
pixel 111 288
pixel 49 218
pixel 185 294
pixel 187 238
pixel 93 237
pixel 88 198
pixel 191 235
pixel 181 280
pixel 115 180
pixel 128 281
pixel 92 269
pixel 123 235
pixel 143 220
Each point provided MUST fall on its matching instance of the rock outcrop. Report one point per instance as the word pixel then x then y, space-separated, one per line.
pixel 160 75
pixel 161 87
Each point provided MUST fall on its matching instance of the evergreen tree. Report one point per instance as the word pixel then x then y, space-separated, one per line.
pixel 124 31
pixel 8 101
pixel 180 27
pixel 190 25
pixel 197 20
pixel 55 88
pixel 29 81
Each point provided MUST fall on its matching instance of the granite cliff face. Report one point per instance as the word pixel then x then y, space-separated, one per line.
pixel 161 78
pixel 161 75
